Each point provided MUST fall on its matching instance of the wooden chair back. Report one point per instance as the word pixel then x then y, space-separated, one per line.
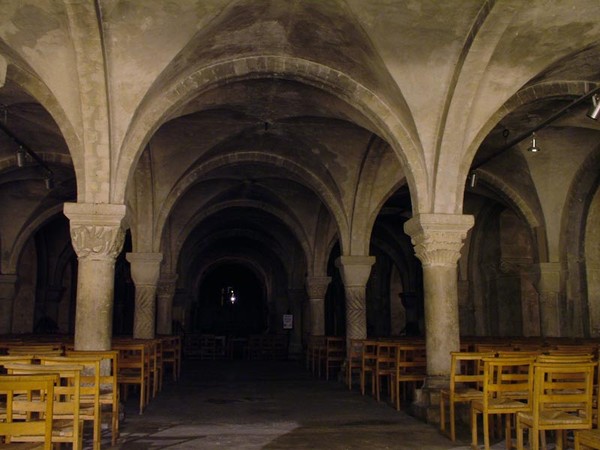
pixel 133 365
pixel 67 426
pixel 29 408
pixel 466 380
pixel 89 389
pixel 353 359
pixel 410 369
pixel 109 388
pixel 368 361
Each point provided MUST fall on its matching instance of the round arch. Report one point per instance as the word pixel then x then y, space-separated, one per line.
pixel 157 107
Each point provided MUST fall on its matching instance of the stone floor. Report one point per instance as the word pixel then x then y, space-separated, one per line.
pixel 270 405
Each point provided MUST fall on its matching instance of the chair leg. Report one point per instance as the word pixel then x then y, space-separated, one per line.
pixel 474 429
pixel 452 425
pixel 442 414
pixel 519 432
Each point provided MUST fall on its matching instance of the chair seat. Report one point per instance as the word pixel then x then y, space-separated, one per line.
pixel 499 404
pixel 23 446
pixel 548 418
pixel 463 394
pixel 589 438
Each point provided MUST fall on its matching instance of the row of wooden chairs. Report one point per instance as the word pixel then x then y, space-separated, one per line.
pixel 27 414
pixel 538 391
pixel 325 354
pixel 132 363
pixel 77 392
pixel 401 365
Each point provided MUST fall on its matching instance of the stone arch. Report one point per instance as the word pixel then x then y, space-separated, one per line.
pixel 152 112
pixel 37 89
pixel 319 187
pixel 287 218
pixel 26 233
pixel 572 237
pixel 525 96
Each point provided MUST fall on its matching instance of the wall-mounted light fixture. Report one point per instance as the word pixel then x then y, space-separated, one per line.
pixel 473 180
pixel 594 111
pixel 21 154
pixel 49 181
pixel 533 148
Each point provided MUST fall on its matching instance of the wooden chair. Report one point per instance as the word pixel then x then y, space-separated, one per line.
pixel 587 438
pixel 109 388
pixel 67 427
pixel 369 357
pixel 334 353
pixel 410 370
pixel 562 401
pixel 133 370
pixel 507 390
pixel 89 391
pixel 385 366
pixel 466 381
pixel 171 355
pixel 353 360
pixel 29 410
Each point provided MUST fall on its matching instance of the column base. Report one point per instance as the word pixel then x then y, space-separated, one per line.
pixel 426 405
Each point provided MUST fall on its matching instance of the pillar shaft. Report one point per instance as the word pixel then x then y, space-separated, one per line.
pixel 316 287
pixel 355 272
pixel 145 269
pixel 97 238
pixel 164 303
pixel 7 297
pixel 438 239
pixel 549 290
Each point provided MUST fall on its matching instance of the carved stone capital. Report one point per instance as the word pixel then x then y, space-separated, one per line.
pixel 438 238
pixel 316 287
pixel 355 270
pixel 145 268
pixel 96 230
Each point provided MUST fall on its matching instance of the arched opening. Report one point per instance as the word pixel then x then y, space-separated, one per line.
pixel 230 301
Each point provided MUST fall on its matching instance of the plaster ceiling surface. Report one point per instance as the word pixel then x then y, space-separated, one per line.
pixel 412 54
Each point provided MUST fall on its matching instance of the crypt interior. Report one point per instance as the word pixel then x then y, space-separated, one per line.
pixel 366 167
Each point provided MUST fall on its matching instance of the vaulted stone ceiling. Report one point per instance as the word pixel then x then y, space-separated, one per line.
pixel 234 132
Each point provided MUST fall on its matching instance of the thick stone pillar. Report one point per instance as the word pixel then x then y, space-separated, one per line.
pixel 97 237
pixel 438 239
pixel 316 287
pixel 549 290
pixel 164 303
pixel 145 269
pixel 355 272
pixel 8 283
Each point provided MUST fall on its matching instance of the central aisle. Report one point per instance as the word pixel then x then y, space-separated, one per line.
pixel 269 405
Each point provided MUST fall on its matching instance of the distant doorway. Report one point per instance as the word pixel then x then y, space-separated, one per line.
pixel 231 301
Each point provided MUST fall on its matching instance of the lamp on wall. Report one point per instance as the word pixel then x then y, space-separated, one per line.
pixel 21 157
pixel 49 181
pixel 473 180
pixel 594 111
pixel 533 148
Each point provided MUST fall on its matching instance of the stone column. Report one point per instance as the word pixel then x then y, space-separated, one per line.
pixel 296 297
pixel 164 303
pixel 145 269
pixel 316 287
pixel 438 239
pixel 355 272
pixel 97 237
pixel 8 283
pixel 549 289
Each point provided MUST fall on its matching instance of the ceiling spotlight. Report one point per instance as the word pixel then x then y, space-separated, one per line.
pixel 21 157
pixel 473 180
pixel 534 148
pixel 49 181
pixel 594 111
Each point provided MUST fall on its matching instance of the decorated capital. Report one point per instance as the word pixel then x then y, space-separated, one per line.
pixel 438 238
